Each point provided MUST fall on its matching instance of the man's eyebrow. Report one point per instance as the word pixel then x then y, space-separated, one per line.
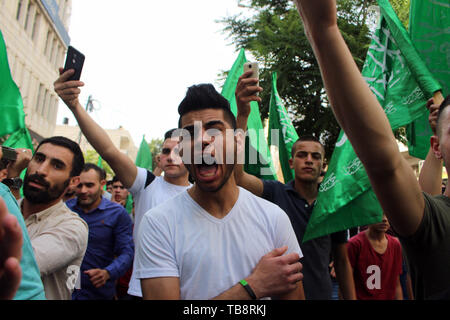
pixel 189 128
pixel 214 122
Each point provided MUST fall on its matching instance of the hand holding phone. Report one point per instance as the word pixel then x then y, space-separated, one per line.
pixel 74 60
pixel 252 66
pixel 9 154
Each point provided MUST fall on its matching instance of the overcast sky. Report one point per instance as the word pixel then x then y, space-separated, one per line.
pixel 142 55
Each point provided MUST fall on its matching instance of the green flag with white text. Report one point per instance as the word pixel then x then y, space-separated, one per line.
pixel 258 161
pixel 402 84
pixel 144 156
pixel 429 27
pixel 12 116
pixel 281 131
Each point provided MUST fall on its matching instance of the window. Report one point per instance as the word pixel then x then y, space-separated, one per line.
pixel 29 13
pixel 34 31
pixel 40 98
pixel 54 48
pixel 47 42
pixel 46 103
pixel 19 9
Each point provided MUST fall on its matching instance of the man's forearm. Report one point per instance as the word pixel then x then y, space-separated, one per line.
pixel 95 134
pixel 121 164
pixel 354 105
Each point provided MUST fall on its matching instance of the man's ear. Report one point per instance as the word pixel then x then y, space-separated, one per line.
pixel 74 181
pixel 291 163
pixel 435 146
pixel 103 183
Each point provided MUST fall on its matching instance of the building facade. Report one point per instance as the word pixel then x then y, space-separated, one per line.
pixel 120 137
pixel 36 36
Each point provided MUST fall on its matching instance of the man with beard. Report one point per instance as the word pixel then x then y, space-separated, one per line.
pixel 110 248
pixel 148 189
pixel 215 240
pixel 58 235
pixel 421 221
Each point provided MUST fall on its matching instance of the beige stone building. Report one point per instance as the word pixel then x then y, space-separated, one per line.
pixel 120 137
pixel 36 36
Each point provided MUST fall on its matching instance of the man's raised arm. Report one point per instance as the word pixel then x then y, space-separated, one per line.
pixel 362 118
pixel 246 90
pixel 121 164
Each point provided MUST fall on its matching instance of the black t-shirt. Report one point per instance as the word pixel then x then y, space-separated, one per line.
pixel 428 250
pixel 316 253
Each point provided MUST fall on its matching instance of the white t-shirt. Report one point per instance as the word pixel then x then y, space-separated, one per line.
pixel 209 255
pixel 148 191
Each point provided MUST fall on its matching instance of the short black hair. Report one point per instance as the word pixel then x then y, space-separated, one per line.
pixel 169 133
pixel 205 96
pixel 115 179
pixel 109 182
pixel 78 158
pixel 90 166
pixel 307 138
pixel 443 105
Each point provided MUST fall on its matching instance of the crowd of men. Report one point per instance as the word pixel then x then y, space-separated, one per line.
pixel 229 235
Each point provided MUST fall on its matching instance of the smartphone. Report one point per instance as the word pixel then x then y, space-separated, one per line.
pixel 9 153
pixel 252 66
pixel 74 60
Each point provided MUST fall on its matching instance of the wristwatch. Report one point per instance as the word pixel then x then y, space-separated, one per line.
pixel 13 183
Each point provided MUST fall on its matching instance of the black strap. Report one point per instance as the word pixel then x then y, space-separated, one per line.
pixel 149 179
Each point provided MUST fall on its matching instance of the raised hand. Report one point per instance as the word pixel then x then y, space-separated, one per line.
pixel 317 15
pixel 68 91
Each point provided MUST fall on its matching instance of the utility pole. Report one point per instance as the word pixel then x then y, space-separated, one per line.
pixel 89 108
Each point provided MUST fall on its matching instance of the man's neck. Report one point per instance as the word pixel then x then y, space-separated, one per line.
pixel 178 181
pixel 307 190
pixel 219 203
pixel 28 208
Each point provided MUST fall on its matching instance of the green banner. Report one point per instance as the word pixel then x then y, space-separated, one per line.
pixel 402 85
pixel 281 131
pixel 144 156
pixel 12 116
pixel 430 32
pixel 258 161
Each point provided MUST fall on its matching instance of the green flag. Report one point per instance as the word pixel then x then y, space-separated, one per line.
pixel 429 29
pixel 258 161
pixel 100 162
pixel 281 131
pixel 12 116
pixel 402 85
pixel 144 156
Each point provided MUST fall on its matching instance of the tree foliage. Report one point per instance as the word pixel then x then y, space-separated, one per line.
pixel 275 36
pixel 155 146
pixel 91 156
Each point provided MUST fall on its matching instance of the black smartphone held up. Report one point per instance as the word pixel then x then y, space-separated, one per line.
pixel 9 154
pixel 74 60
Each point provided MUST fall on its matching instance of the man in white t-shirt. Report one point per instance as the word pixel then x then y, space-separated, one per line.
pixel 216 240
pixel 147 189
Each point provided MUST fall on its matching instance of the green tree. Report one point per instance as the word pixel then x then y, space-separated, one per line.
pixel 273 33
pixel 91 156
pixel 155 146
